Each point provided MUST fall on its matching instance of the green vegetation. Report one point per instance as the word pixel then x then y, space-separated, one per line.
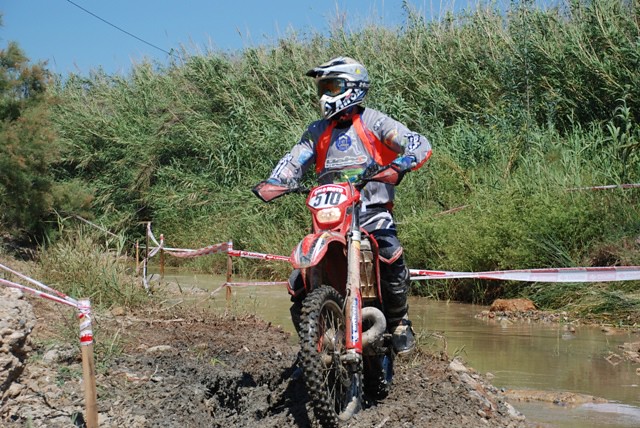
pixel 520 106
pixel 29 151
pixel 80 264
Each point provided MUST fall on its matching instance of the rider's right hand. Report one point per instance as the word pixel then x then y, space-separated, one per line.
pixel 273 188
pixel 276 182
pixel 290 183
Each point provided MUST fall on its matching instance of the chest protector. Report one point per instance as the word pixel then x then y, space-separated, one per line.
pixel 377 150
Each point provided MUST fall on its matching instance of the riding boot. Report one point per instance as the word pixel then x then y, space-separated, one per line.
pixel 396 307
pixel 402 337
pixel 296 289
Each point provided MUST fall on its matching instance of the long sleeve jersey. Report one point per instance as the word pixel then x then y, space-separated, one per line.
pixel 338 149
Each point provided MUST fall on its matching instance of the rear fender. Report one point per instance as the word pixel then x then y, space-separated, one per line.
pixel 312 249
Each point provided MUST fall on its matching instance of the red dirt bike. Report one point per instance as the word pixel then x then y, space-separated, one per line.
pixel 346 353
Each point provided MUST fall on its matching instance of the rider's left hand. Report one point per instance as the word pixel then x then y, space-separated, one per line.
pixel 371 170
pixel 405 163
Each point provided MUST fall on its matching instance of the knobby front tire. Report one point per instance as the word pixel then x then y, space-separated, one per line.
pixel 334 388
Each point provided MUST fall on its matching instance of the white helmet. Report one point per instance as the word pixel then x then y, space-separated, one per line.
pixel 342 83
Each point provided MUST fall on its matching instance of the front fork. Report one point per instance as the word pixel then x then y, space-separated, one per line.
pixel 353 301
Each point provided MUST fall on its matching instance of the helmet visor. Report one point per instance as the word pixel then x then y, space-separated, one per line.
pixel 332 86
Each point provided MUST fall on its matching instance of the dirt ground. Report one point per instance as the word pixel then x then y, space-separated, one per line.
pixel 185 369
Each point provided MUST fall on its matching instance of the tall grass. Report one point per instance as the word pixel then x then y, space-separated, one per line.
pixel 519 104
pixel 82 265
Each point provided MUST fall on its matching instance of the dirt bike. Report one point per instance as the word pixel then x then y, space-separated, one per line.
pixel 346 353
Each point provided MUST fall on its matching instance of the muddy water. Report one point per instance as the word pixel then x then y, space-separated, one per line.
pixel 545 357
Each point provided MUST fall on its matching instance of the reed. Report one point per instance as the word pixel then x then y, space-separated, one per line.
pixel 80 264
pixel 520 105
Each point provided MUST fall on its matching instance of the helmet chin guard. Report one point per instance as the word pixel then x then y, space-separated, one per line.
pixel 332 106
pixel 342 83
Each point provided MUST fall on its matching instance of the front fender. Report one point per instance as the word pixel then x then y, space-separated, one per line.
pixel 313 247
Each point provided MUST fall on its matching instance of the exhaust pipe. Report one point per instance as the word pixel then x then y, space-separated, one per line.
pixel 372 337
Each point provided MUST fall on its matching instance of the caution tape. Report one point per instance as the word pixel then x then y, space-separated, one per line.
pixel 250 284
pixel 39 293
pixel 222 248
pixel 151 236
pixel 39 284
pixel 261 256
pixel 582 274
pixel 85 317
pixel 225 247
pixel 211 249
pixel 607 187
pixel 86 333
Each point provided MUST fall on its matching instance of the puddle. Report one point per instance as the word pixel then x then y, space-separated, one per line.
pixel 609 415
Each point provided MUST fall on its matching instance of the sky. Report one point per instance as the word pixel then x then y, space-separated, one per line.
pixel 74 40
pixel 81 35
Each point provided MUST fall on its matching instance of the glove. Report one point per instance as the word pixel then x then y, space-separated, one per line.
pixel 275 182
pixel 272 188
pixel 287 182
pixel 371 170
pixel 405 163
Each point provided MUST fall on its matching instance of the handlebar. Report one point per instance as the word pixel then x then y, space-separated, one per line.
pixel 389 174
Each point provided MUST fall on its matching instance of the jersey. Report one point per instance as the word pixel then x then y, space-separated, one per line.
pixel 346 152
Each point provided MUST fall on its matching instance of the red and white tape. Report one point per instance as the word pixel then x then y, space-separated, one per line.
pixel 84 315
pixel 151 236
pixel 39 284
pixel 607 187
pixel 83 306
pixel 225 247
pixel 582 274
pixel 38 293
pixel 250 284
pixel 253 255
pixel 211 249
pixel 579 274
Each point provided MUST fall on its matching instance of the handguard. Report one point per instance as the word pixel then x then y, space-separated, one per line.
pixel 268 191
pixel 390 174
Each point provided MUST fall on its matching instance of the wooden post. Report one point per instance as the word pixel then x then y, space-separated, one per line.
pixel 145 262
pixel 161 256
pixel 88 364
pixel 229 272
pixel 146 248
pixel 137 258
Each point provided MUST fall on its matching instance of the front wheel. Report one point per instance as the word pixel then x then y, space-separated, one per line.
pixel 333 383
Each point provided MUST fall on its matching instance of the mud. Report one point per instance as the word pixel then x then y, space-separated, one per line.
pixel 180 369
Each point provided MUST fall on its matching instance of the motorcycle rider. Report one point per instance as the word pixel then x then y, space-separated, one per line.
pixel 348 139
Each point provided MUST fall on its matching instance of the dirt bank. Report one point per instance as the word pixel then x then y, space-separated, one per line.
pixel 181 369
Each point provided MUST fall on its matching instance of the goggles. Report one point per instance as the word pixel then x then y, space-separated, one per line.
pixel 333 86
